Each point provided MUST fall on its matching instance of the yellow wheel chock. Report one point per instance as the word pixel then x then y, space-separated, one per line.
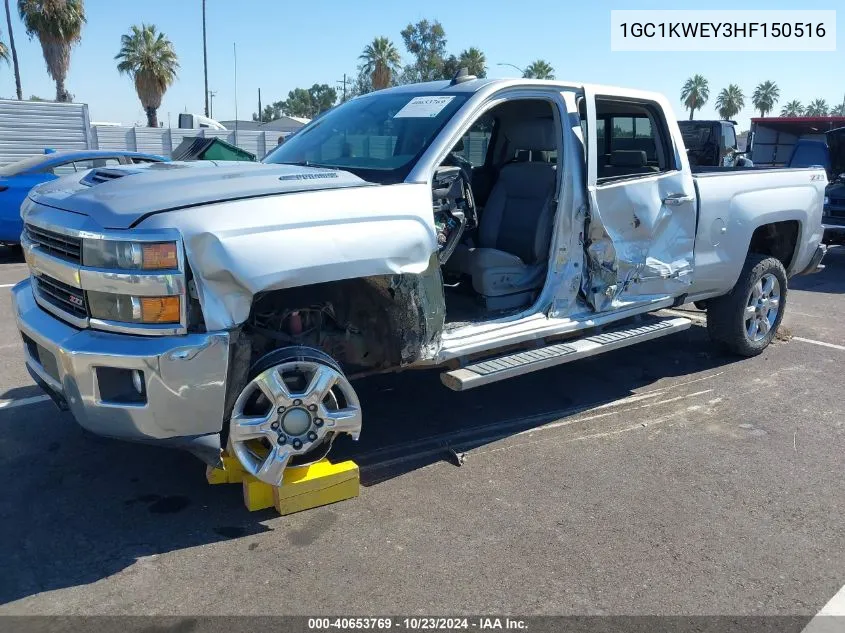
pixel 304 487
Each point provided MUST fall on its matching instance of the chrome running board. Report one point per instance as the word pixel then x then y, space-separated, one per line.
pixel 510 365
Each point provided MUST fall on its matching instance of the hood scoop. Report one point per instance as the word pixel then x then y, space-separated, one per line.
pixel 101 175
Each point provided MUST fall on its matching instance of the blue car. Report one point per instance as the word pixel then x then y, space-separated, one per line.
pixel 16 179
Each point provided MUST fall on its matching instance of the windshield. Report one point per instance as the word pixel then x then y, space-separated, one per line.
pixel 27 164
pixel 377 137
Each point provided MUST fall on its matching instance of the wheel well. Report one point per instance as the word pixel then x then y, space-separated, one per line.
pixel 777 240
pixel 365 324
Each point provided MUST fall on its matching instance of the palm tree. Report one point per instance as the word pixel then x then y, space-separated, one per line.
pixel 381 62
pixel 838 110
pixel 4 52
pixel 474 61
pixel 58 26
pixel 793 108
pixel 730 101
pixel 817 107
pixel 14 53
pixel 695 93
pixel 765 97
pixel 539 69
pixel 148 57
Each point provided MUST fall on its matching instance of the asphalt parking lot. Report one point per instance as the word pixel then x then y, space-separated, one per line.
pixel 667 478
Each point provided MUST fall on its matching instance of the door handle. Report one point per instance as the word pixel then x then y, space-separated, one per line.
pixel 677 199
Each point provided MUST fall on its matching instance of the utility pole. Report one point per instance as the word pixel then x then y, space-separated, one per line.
pixel 14 54
pixel 259 105
pixel 343 83
pixel 205 61
pixel 235 59
pixel 210 97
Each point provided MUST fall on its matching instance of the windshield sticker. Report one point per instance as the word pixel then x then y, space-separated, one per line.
pixel 423 107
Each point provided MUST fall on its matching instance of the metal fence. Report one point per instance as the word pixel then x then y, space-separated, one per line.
pixel 27 127
pixel 163 141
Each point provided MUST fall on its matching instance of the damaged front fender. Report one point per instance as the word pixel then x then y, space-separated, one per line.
pixel 238 249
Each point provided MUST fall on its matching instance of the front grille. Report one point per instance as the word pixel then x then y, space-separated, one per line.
pixel 63 296
pixel 58 244
pixel 837 202
pixel 836 213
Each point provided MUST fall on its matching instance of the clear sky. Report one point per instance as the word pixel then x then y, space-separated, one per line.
pixel 283 45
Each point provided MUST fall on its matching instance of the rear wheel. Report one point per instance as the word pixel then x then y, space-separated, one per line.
pixel 746 319
pixel 296 402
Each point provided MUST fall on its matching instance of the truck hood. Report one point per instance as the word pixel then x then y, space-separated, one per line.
pixel 119 197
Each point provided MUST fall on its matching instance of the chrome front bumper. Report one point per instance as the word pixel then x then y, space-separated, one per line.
pixel 184 377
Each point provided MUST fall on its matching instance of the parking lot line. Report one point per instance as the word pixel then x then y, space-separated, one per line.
pixel 831 618
pixel 822 343
pixel 22 402
pixel 7 285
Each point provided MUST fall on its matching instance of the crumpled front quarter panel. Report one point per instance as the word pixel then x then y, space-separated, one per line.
pixel 239 248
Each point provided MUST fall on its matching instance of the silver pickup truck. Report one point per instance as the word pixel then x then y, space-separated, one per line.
pixel 487 227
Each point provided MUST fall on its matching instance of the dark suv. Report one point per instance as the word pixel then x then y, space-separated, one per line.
pixel 708 143
pixel 833 216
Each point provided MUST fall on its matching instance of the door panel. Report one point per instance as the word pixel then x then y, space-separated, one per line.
pixel 640 229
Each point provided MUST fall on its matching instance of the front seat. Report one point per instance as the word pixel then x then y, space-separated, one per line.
pixel 509 266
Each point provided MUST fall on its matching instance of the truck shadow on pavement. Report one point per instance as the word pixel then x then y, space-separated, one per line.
pixel 11 255
pixel 78 508
pixel 831 280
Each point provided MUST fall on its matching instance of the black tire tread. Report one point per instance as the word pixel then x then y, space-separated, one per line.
pixel 725 314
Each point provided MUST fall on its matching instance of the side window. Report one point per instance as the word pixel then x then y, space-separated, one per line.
pixel 636 138
pixel 729 136
pixel 83 165
pixel 64 169
pixel 633 133
pixel 475 144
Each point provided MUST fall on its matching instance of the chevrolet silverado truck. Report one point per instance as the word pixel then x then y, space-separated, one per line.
pixel 489 228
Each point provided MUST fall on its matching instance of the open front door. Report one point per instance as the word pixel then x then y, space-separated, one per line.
pixel 640 229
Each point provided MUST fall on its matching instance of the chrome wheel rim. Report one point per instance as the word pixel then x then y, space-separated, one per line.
pixel 762 307
pixel 289 410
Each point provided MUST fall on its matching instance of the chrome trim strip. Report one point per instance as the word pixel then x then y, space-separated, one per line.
pixel 141 284
pixel 79 227
pixel 58 312
pixel 59 269
pixel 150 329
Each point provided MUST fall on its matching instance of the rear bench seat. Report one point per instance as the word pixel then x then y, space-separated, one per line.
pixel 626 162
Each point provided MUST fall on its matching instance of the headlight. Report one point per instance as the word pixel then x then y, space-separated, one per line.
pixel 129 255
pixel 826 201
pixel 129 309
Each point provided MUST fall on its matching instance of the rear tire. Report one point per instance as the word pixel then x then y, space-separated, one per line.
pixel 745 320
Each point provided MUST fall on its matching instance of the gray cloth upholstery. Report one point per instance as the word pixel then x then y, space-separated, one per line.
pixel 626 162
pixel 532 134
pixel 628 158
pixel 516 218
pixel 516 226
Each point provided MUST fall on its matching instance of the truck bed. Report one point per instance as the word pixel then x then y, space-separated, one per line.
pixel 732 201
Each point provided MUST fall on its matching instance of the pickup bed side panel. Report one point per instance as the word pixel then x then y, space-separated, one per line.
pixel 733 204
pixel 239 248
